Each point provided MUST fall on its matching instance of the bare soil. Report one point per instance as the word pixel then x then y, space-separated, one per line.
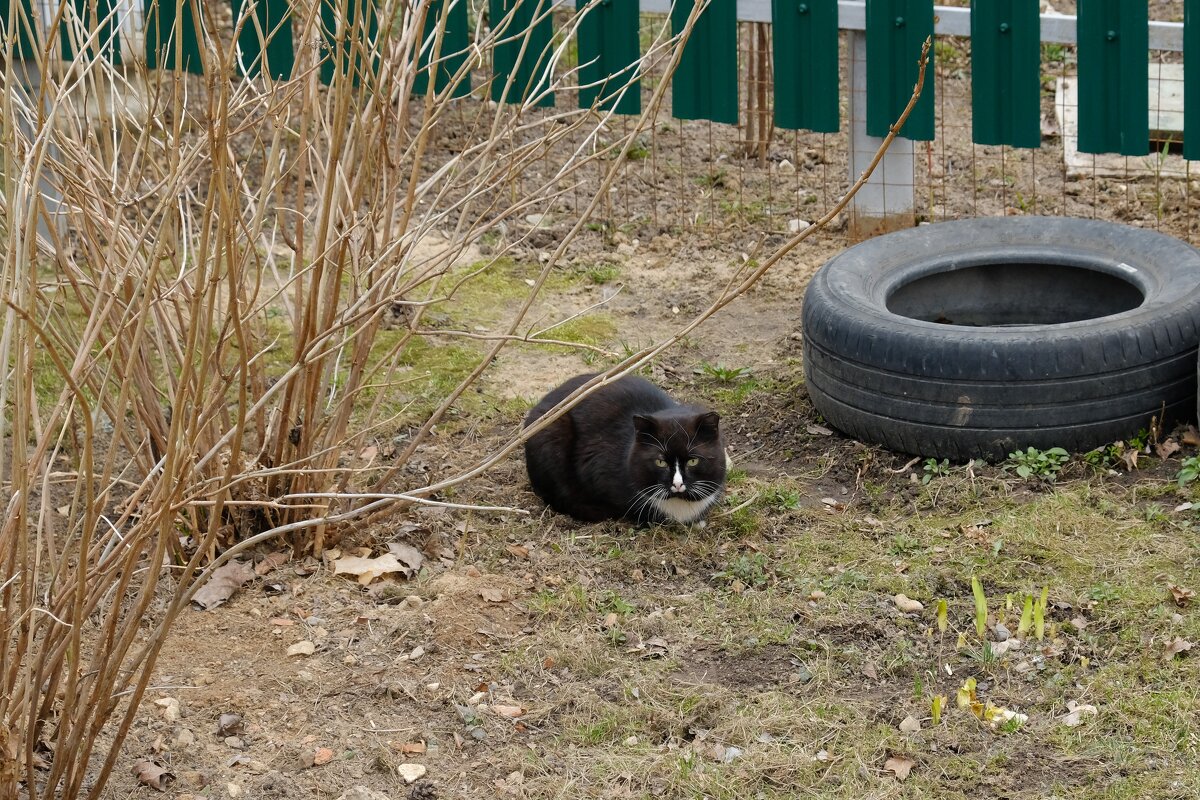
pixel 762 656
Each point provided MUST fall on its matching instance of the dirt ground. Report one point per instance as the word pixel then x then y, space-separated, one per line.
pixel 763 656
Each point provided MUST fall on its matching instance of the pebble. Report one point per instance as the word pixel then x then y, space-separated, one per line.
pixel 631 741
pixel 411 772
pixel 235 742
pixel 1001 631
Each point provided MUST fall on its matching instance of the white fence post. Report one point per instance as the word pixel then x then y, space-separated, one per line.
pixel 887 201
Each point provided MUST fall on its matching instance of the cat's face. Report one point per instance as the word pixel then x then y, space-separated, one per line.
pixel 678 463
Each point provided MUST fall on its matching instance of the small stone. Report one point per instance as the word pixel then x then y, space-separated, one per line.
pixel 907 605
pixel 413 601
pixel 170 707
pixel 786 167
pixel 304 648
pixel 631 741
pixel 235 742
pixel 411 772
pixel 1001 631
pixel 362 793
pixel 815 595
pixel 233 790
pixel 910 724
pixel 184 739
pixel 416 653
pixel 797 225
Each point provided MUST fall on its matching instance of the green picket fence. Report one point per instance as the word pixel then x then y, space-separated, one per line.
pixel 1111 36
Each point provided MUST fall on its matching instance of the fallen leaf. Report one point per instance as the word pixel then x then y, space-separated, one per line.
pixel 1166 449
pixel 492 594
pixel 1076 712
pixel 408 555
pixel 868 670
pixel 1175 647
pixel 322 756
pixel 517 550
pixel 368 569
pixel 511 712
pixel 819 430
pixel 910 724
pixel 152 774
pixel 610 621
pixel 368 455
pixel 304 648
pixel 282 622
pixel 1130 458
pixel 1078 623
pixel 224 582
pixel 1191 436
pixel 899 766
pixel 410 748
pixel 1181 595
pixel 907 605
pixel 271 562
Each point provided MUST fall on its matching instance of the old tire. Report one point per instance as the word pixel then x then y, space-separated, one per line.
pixel 969 339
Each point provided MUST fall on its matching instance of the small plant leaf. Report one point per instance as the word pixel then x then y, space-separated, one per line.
pixel 1039 614
pixel 936 706
pixel 1026 617
pixel 981 610
pixel 942 614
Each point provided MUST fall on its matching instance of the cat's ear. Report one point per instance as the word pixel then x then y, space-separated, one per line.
pixel 643 423
pixel 708 424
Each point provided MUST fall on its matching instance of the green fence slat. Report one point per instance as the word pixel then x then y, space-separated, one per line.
pixel 705 84
pixel 1006 83
pixel 805 38
pixel 521 56
pixel 608 56
pixel 271 22
pixel 171 38
pixel 19 21
pixel 346 44
pixel 452 52
pixel 896 29
pixel 1191 79
pixel 1113 83
pixel 96 26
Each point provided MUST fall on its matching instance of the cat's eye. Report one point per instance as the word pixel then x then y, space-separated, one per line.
pixel 691 462
pixel 658 462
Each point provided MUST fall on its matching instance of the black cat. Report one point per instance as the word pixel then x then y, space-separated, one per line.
pixel 627 451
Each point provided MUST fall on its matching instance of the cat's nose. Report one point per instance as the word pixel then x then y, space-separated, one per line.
pixel 678 487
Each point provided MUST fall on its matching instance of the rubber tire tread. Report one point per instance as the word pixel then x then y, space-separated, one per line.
pixel 948 391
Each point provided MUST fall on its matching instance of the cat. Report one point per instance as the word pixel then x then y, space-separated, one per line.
pixel 627 451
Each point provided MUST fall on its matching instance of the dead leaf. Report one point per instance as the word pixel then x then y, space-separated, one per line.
pixel 1191 436
pixel 1130 458
pixel 368 455
pixel 304 648
pixel 908 605
pixel 511 712
pixel 1166 449
pixel 610 621
pixel 899 766
pixel 322 756
pixel 221 586
pixel 910 724
pixel 368 569
pixel 517 550
pixel 1078 623
pixel 1175 647
pixel 282 622
pixel 409 748
pixel 1181 595
pixel 408 555
pixel 819 430
pixel 868 670
pixel 152 774
pixel 271 562
pixel 492 594
pixel 1076 712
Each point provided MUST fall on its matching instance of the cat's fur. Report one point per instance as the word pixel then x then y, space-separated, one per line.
pixel 627 451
